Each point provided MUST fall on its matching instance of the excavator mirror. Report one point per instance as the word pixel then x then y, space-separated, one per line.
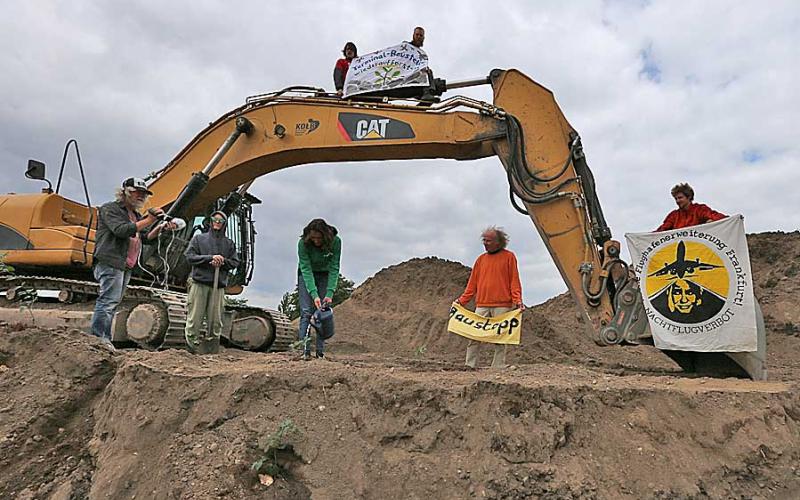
pixel 36 172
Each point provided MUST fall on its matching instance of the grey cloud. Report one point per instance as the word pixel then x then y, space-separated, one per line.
pixel 134 82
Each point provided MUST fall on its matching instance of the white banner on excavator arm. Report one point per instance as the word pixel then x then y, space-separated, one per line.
pixel 697 287
pixel 403 65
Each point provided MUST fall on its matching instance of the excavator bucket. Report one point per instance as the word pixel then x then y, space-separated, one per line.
pixel 727 364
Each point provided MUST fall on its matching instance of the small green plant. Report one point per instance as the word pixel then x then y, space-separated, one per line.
pixel 5 269
pixel 790 328
pixel 300 344
pixel 25 295
pixel 274 446
pixel 420 351
pixel 771 282
pixel 792 270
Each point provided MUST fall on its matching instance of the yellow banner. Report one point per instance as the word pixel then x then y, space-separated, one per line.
pixel 504 329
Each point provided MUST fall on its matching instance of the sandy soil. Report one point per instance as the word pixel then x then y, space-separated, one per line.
pixel 392 413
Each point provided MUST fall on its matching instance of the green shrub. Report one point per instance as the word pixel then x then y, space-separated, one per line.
pixel 274 446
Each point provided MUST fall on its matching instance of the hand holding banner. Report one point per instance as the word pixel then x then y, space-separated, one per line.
pixel 504 329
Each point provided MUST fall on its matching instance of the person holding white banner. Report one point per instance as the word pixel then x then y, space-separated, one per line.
pixel 349 52
pixel 400 71
pixel 495 284
pixel 418 40
pixel 688 213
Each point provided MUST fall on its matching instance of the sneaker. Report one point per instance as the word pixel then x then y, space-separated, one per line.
pixel 320 355
pixel 306 356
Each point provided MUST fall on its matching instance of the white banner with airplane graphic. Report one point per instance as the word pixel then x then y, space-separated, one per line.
pixel 403 65
pixel 697 286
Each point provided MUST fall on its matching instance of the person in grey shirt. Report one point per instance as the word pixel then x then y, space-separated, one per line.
pixel 121 231
pixel 206 253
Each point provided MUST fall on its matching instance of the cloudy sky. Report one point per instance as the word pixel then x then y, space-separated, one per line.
pixel 661 91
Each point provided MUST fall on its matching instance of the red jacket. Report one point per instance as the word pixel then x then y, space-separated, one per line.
pixel 340 73
pixel 695 213
pixel 495 281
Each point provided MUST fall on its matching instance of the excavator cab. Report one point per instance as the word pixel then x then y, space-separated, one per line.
pixel 164 264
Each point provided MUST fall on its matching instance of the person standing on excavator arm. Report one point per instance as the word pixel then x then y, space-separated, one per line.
pixel 349 52
pixel 121 230
pixel 208 252
pixel 495 284
pixel 688 213
pixel 319 252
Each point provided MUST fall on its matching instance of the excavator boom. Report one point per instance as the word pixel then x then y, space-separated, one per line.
pixel 280 131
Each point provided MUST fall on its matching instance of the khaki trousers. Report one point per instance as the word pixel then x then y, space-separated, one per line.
pixel 199 308
pixel 499 359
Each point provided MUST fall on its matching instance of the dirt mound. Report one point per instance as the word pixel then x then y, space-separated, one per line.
pixel 49 381
pixel 394 415
pixel 141 424
pixel 775 261
pixel 402 311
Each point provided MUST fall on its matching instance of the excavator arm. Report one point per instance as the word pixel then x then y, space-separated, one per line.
pixel 524 127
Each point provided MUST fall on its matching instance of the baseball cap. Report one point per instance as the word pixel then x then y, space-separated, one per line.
pixel 137 184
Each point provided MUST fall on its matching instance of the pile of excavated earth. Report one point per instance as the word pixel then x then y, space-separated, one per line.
pixel 392 413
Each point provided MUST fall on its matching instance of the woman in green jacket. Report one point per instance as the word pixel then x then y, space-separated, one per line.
pixel 318 252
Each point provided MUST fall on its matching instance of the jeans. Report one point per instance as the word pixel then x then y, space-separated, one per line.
pixel 307 306
pixel 112 286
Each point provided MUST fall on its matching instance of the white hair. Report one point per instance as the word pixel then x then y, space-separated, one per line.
pixel 500 234
pixel 123 195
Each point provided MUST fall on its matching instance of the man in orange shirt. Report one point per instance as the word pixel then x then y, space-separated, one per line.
pixel 688 212
pixel 494 282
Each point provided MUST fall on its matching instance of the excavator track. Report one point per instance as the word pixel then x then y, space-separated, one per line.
pixel 155 319
pixel 284 334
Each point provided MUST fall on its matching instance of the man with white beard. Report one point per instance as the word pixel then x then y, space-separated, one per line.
pixel 118 243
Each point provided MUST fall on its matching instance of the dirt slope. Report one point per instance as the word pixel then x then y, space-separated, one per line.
pixel 386 419
pixel 775 261
pixel 172 425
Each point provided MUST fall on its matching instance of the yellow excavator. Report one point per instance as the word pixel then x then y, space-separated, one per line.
pixel 49 239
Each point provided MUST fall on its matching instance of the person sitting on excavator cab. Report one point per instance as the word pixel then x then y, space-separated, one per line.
pixel 349 52
pixel 688 213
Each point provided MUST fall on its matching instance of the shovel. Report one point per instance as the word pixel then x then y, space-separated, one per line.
pixel 210 343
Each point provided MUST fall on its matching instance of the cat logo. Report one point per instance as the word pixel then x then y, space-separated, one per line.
pixel 371 129
pixel 361 127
